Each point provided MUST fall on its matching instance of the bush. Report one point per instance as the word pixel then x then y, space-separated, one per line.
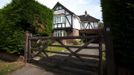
pixel 76 42
pixel 20 16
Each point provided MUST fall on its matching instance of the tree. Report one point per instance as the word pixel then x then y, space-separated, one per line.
pixel 100 25
pixel 119 15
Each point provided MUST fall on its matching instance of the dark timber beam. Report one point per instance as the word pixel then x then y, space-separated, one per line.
pixel 68 21
pixel 71 21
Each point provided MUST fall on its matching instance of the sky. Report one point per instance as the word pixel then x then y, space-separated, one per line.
pixel 92 7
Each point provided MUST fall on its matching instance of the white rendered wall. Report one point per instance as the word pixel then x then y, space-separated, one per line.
pixel 76 23
pixel 67 23
pixel 92 25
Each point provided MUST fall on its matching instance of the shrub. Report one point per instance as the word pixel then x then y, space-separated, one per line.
pixel 20 16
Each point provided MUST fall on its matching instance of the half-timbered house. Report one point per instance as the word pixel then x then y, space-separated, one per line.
pixel 88 22
pixel 89 26
pixel 65 22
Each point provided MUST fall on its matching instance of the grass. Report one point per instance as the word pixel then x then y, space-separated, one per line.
pixel 50 48
pixel 8 67
pixel 56 49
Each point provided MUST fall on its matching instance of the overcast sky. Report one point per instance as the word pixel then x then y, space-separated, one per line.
pixel 93 7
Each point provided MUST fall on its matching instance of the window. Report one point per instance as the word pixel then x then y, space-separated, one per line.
pixel 59 19
pixel 59 25
pixel 55 26
pixel 58 8
pixel 60 33
pixel 63 19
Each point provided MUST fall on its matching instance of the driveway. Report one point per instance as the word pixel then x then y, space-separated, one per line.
pixel 30 69
pixel 57 66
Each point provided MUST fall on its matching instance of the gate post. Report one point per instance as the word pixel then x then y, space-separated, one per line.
pixel 27 52
pixel 26 46
pixel 100 53
pixel 29 47
pixel 110 64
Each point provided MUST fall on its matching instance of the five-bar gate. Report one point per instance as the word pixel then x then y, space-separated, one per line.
pixel 36 45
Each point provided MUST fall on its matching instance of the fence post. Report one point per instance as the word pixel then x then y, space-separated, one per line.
pixel 29 48
pixel 26 46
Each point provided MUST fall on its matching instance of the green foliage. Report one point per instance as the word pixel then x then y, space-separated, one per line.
pixel 24 13
pixel 101 25
pixel 119 15
pixel 19 16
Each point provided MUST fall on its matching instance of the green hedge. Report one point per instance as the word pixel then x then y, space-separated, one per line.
pixel 19 16
pixel 120 15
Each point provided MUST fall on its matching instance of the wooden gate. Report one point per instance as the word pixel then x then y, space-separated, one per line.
pixel 36 45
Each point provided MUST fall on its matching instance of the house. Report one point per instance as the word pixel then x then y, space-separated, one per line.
pixel 67 23
pixel 88 25
pixel 88 22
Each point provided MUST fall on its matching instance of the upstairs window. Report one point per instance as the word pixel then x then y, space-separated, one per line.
pixel 59 8
pixel 59 19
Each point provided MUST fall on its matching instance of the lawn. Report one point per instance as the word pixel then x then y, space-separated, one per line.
pixel 8 67
pixel 50 48
pixel 55 48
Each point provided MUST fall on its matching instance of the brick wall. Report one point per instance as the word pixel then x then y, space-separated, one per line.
pixel 75 32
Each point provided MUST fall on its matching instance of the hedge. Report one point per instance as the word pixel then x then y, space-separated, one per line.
pixel 20 16
pixel 119 14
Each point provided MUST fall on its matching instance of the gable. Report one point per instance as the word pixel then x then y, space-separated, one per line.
pixel 60 7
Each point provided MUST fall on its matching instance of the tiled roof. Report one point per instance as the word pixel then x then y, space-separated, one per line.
pixel 88 18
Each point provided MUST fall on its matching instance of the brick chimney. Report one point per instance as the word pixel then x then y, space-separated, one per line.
pixel 86 13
